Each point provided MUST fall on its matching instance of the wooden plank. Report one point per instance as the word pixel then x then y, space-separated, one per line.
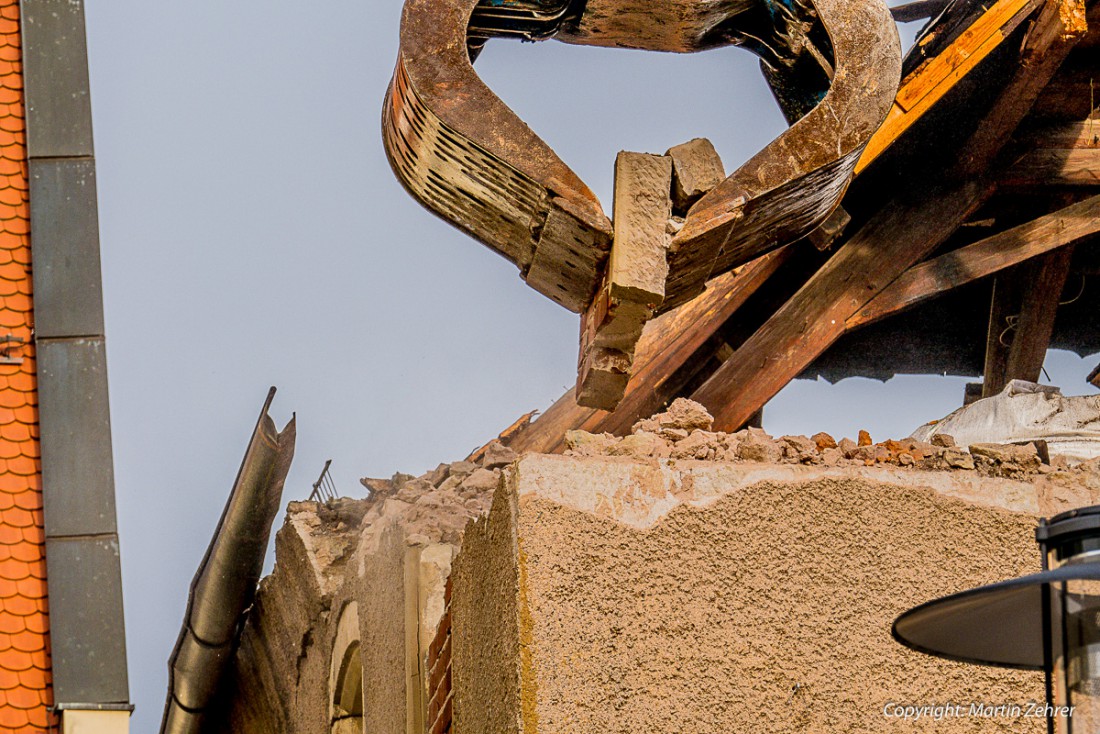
pixel 1067 154
pixel 1046 46
pixel 1035 325
pixel 939 74
pixel 1008 295
pixel 1094 377
pixel 1043 168
pixel 1076 134
pixel 897 237
pixel 893 240
pixel 668 343
pixel 933 80
pixel 981 259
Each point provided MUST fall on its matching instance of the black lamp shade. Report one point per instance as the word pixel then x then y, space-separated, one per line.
pixel 1000 624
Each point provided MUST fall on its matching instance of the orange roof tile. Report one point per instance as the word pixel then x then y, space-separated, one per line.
pixel 13 719
pixel 25 682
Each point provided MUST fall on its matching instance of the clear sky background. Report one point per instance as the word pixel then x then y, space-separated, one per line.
pixel 253 235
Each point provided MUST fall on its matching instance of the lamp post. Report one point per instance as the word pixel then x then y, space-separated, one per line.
pixel 1048 621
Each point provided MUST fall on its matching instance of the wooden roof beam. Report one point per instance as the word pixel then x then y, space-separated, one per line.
pixel 669 343
pixel 982 259
pixel 1059 155
pixel 896 238
pixel 1025 303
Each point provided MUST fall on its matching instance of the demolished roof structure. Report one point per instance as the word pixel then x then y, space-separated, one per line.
pixel 963 245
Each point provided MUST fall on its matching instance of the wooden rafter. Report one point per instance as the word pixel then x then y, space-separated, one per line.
pixel 936 77
pixel 1062 155
pixel 893 240
pixel 668 343
pixel 1036 322
pixel 815 317
pixel 981 259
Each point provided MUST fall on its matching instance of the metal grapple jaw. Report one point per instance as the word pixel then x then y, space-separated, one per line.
pixel 834 65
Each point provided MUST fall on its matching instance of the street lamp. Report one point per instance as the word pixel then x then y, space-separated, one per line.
pixel 1048 621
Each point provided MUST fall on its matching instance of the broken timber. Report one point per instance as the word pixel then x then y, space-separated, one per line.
pixel 936 77
pixel 668 343
pixel 895 239
pixel 981 259
pixel 1047 42
pixel 1022 320
pixel 1063 155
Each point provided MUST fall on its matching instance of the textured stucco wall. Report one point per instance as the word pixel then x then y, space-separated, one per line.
pixel 687 597
pixel 382 625
pixel 486 627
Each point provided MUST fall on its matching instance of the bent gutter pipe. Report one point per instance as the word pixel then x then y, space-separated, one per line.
pixel 225 584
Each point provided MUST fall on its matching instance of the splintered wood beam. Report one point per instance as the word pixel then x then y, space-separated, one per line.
pixel 1061 155
pixel 1057 28
pixel 897 237
pixel 1018 340
pixel 634 285
pixel 936 77
pixel 981 259
pixel 670 342
pixel 1031 337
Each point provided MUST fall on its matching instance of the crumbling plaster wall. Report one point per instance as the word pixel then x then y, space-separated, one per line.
pixel 391 554
pixel 279 680
pixel 675 580
pixel 688 596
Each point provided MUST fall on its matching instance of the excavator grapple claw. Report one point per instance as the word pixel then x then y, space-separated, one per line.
pixel 834 66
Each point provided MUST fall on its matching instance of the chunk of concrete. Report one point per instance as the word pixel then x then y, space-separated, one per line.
pixel 603 378
pixel 638 266
pixel 696 169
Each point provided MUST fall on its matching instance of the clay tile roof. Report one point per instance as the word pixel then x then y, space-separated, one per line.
pixel 25 682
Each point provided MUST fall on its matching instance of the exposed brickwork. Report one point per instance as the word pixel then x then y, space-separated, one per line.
pixel 25 685
pixel 439 674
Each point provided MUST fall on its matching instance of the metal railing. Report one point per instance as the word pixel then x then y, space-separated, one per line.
pixel 324 489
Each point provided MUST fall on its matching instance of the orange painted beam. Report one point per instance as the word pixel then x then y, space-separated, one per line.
pixel 937 76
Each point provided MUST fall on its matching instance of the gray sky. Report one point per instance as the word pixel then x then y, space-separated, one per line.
pixel 252 234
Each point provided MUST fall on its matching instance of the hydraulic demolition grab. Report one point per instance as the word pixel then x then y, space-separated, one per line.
pixel 834 66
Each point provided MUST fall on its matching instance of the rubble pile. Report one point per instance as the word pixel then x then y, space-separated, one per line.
pixel 438 504
pixel 683 432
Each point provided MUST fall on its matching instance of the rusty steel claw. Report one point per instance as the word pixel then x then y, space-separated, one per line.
pixel 790 187
pixel 465 155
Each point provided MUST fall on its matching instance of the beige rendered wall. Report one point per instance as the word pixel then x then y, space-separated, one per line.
pixel 680 597
pixel 95 722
